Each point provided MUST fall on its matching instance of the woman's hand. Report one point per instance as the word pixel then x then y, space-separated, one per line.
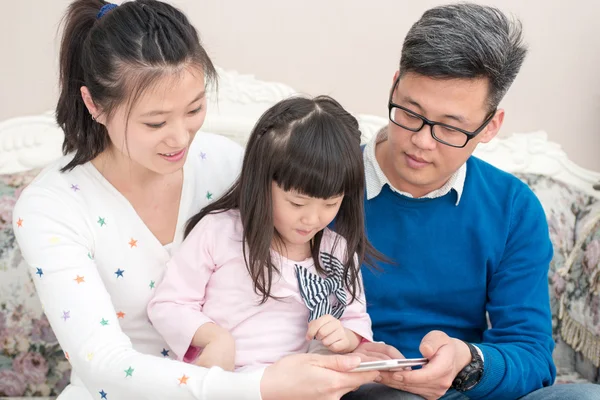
pixel 375 351
pixel 313 376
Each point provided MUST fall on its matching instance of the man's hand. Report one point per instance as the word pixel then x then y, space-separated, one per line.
pixel 447 357
pixel 330 331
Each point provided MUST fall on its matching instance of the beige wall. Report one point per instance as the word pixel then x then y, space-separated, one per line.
pixel 348 49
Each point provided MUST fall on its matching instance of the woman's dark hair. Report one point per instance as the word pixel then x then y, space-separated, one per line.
pixel 311 146
pixel 117 55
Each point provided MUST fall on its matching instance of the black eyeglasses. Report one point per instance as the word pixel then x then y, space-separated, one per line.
pixel 443 133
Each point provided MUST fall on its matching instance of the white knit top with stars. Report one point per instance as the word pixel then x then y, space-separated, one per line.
pixel 95 265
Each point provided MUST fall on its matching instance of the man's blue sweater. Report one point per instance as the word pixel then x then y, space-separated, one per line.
pixel 453 263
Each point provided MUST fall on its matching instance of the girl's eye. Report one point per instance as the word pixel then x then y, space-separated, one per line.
pixel 196 111
pixel 296 204
pixel 332 205
pixel 156 126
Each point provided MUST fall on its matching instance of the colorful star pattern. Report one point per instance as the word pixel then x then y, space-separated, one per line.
pixel 110 241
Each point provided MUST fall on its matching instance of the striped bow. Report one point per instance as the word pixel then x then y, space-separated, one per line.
pixel 317 291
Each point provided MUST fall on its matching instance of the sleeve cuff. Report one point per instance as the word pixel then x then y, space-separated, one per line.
pixel 493 372
pixel 191 354
pixel 360 328
pixel 223 385
pixel 480 353
pixel 182 344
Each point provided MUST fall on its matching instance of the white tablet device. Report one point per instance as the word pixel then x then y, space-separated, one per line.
pixel 390 364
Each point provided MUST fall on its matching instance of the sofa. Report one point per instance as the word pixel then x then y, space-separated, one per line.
pixel 32 363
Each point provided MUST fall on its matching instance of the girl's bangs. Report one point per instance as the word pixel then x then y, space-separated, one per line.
pixel 319 161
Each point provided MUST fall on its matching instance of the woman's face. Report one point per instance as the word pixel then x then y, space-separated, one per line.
pixel 162 123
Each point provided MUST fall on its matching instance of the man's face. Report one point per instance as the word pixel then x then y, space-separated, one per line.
pixel 415 162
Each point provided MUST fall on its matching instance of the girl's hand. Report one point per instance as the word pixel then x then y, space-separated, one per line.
pixel 218 347
pixel 313 376
pixel 332 334
pixel 219 352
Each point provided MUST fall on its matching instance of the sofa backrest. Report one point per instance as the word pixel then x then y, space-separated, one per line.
pixel 31 361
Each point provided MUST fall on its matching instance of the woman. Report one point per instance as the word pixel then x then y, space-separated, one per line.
pixel 98 225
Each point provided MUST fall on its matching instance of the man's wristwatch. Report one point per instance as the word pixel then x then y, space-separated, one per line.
pixel 470 375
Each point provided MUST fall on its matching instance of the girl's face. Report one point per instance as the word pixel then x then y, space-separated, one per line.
pixel 161 125
pixel 298 218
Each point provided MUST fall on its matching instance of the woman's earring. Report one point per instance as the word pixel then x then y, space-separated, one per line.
pixel 93 118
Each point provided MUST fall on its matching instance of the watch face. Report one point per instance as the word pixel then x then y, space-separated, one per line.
pixel 471 374
pixel 472 379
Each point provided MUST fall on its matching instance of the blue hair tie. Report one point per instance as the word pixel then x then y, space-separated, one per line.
pixel 105 8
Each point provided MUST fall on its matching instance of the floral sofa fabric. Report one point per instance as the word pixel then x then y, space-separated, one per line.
pixel 568 211
pixel 33 365
pixel 31 361
pixel 580 284
pixel 574 276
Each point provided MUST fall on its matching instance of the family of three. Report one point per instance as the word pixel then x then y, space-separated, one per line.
pixel 175 265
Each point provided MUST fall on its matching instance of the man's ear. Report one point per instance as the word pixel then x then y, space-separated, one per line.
pixel 95 111
pixel 492 129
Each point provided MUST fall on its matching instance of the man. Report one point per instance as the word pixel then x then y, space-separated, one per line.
pixel 464 237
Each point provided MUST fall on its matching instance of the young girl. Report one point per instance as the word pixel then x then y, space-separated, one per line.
pixel 260 274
